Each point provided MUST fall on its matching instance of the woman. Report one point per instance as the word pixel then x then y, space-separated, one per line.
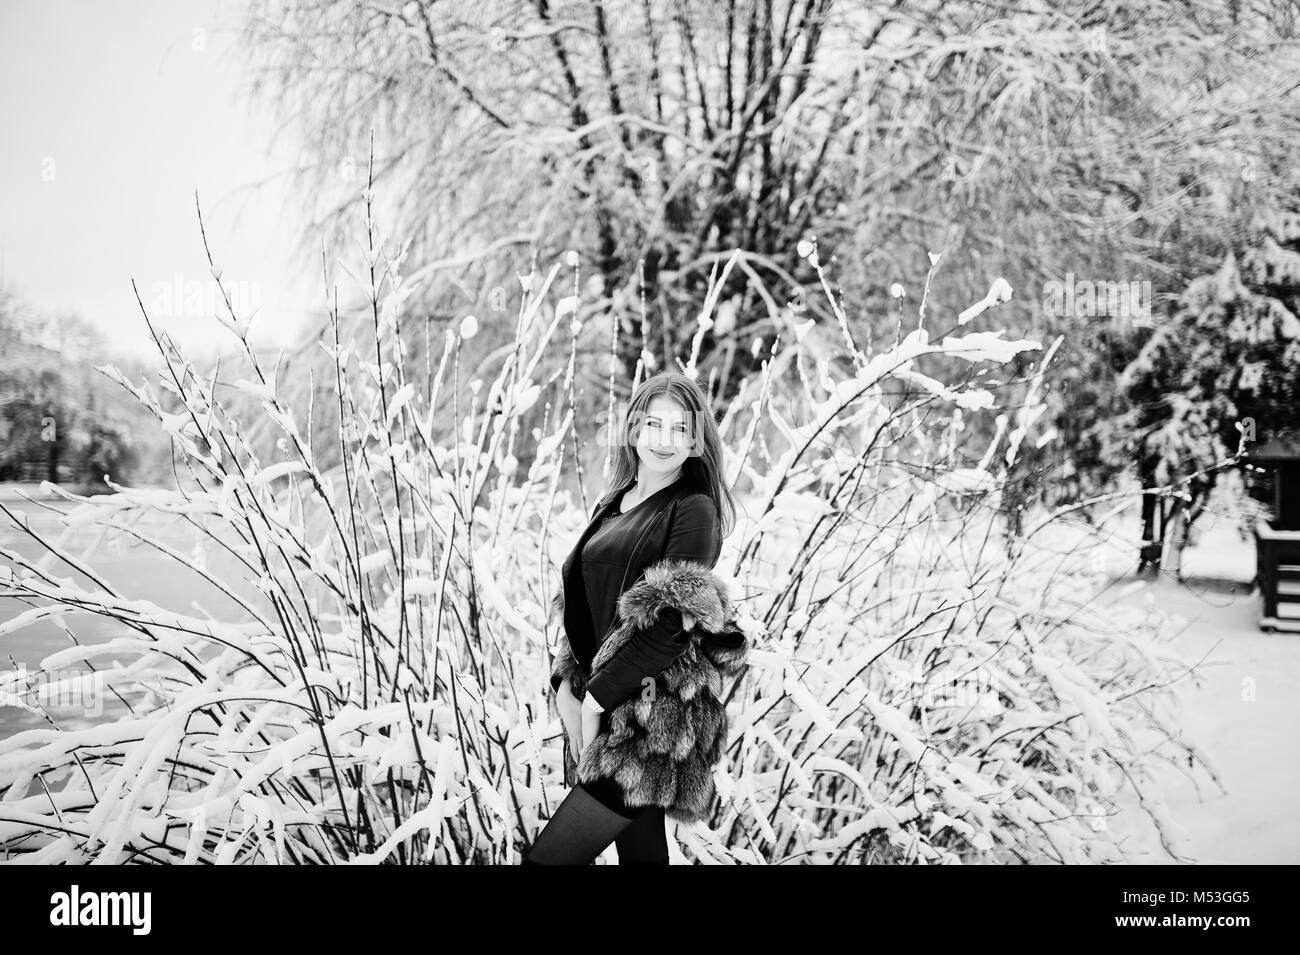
pixel 648 637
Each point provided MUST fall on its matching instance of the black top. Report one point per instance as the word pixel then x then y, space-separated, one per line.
pixel 611 556
pixel 611 544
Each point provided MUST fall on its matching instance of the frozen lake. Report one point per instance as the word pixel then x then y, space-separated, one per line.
pixel 136 569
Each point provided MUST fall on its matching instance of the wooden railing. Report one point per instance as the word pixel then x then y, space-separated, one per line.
pixel 1278 575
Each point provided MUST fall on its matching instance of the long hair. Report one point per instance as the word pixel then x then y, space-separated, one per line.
pixel 703 465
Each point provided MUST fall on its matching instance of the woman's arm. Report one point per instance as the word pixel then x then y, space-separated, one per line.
pixel 696 536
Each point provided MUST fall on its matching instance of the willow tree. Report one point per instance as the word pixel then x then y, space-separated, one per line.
pixel 658 136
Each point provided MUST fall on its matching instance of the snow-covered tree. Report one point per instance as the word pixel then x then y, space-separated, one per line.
pixel 1224 368
pixel 657 137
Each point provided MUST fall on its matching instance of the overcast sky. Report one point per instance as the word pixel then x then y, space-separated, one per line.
pixel 112 114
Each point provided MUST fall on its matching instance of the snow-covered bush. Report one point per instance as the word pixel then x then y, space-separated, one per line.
pixel 924 686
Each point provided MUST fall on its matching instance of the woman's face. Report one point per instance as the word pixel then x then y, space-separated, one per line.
pixel 663 442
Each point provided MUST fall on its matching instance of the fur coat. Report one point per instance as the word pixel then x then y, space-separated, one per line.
pixel 662 745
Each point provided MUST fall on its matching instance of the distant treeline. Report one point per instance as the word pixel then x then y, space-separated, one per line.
pixel 60 419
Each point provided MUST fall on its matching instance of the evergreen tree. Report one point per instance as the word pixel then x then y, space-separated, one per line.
pixel 1227 360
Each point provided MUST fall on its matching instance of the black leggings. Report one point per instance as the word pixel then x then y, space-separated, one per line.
pixel 645 842
pixel 592 816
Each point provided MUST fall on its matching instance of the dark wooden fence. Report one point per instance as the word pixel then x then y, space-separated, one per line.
pixel 1278 574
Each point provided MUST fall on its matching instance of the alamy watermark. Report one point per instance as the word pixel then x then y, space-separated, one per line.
pixel 1125 303
pixel 975 695
pixel 36 691
pixel 80 906
pixel 191 298
pixel 626 425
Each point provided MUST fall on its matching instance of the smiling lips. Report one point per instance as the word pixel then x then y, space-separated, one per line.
pixel 662 454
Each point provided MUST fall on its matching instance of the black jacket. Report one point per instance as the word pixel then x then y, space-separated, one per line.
pixel 676 522
pixel 659 742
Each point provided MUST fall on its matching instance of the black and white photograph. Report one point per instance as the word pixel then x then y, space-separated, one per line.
pixel 648 433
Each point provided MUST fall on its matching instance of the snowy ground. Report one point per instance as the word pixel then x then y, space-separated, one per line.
pixel 1245 717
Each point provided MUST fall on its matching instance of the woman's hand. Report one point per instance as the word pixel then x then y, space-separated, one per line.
pixel 570 708
pixel 590 725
